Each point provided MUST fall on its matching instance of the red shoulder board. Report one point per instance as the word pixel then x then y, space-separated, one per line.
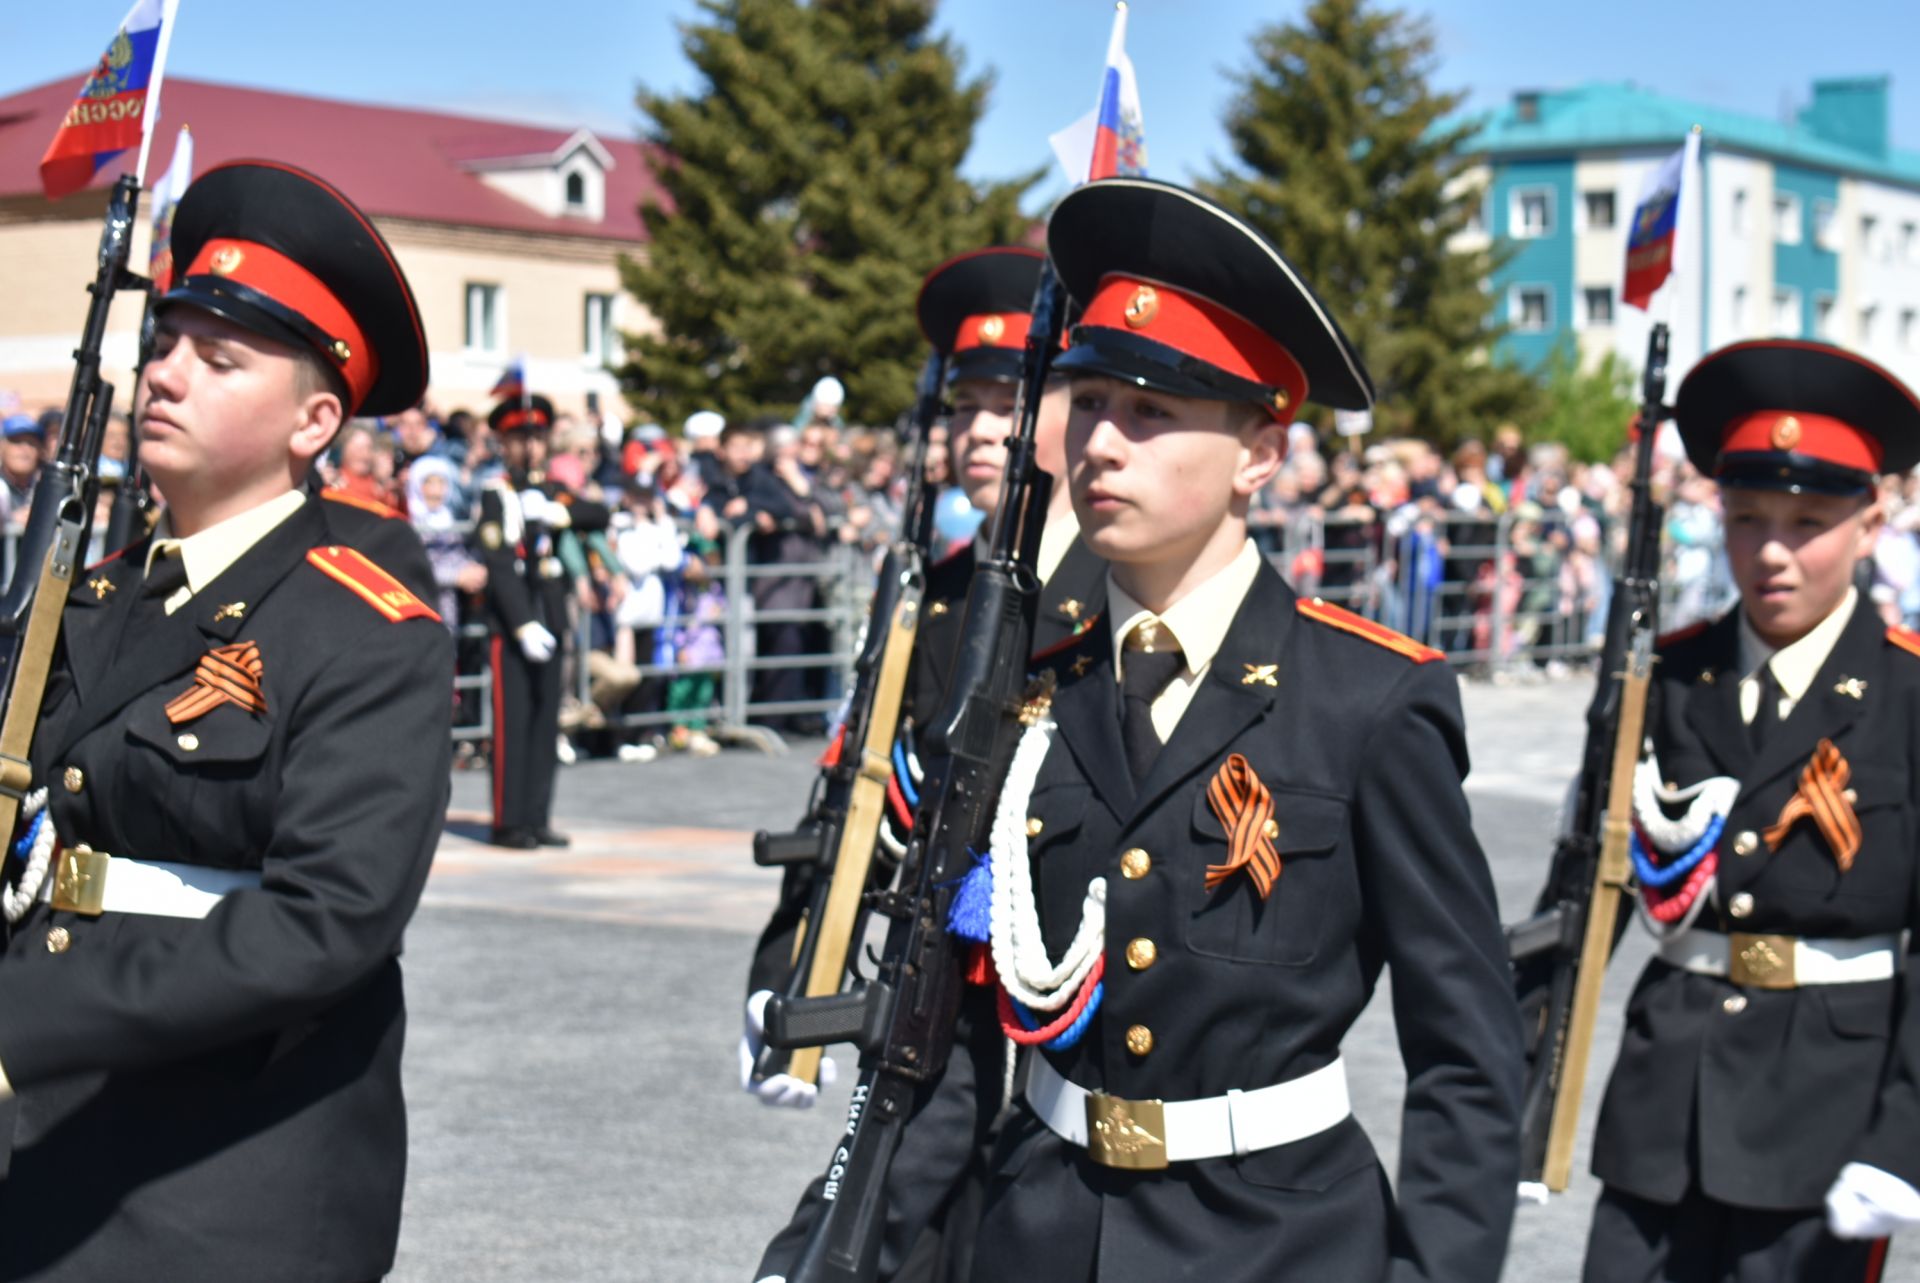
pixel 1380 635
pixel 1679 635
pixel 374 506
pixel 1905 638
pixel 1065 643
pixel 373 585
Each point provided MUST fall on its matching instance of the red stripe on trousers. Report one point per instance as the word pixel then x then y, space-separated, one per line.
pixel 499 734
pixel 1877 1260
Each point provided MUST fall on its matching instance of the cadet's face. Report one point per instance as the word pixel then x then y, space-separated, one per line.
pixel 1154 477
pixel 1793 555
pixel 982 422
pixel 220 406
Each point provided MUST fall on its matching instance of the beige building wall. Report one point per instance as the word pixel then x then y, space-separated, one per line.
pixel 47 261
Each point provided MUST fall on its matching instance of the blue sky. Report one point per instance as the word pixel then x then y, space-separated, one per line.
pixel 578 61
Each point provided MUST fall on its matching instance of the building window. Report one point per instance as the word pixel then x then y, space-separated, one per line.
pixel 1786 219
pixel 1826 232
pixel 486 318
pixel 1530 308
pixel 1477 214
pixel 1908 332
pixel 1823 317
pixel 1598 301
pixel 1739 310
pixel 1739 216
pixel 576 190
pixel 1909 243
pixel 1531 214
pixel 1599 211
pixel 600 344
pixel 1869 325
pixel 1786 313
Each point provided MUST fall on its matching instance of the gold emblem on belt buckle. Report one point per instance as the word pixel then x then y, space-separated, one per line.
pixel 1129 1134
pixel 1761 962
pixel 80 883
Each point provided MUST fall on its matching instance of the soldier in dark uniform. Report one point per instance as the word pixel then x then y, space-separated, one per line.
pixel 245 754
pixel 975 309
pixel 1771 1061
pixel 527 611
pixel 1240 806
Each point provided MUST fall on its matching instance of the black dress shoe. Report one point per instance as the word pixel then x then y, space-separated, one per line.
pixel 551 837
pixel 515 839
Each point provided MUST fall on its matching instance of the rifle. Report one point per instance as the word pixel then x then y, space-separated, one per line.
pixel 61 518
pixel 128 516
pixel 849 799
pixel 903 1019
pixel 1560 953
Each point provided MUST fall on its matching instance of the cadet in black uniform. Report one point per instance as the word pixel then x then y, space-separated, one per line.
pixel 1771 1062
pixel 974 308
pixel 527 611
pixel 245 750
pixel 1235 807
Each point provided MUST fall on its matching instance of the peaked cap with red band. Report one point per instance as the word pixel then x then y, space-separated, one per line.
pixel 283 254
pixel 531 414
pixel 1180 296
pixel 1789 414
pixel 976 310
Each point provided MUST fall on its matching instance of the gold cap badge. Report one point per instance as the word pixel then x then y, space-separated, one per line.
pixel 1143 307
pixel 1786 432
pixel 226 260
pixel 992 328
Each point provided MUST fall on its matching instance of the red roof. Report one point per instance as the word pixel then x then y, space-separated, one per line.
pixel 394 162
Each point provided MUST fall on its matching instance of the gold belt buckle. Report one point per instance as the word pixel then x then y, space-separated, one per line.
pixel 1761 962
pixel 80 882
pixel 1129 1134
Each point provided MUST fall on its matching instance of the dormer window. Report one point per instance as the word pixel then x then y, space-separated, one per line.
pixel 576 192
pixel 566 180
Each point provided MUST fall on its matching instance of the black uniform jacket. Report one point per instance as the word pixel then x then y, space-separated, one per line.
pixel 1363 751
pixel 524 580
pixel 1763 1105
pixel 220 1098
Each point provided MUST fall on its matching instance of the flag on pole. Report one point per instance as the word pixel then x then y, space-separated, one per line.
pixel 114 110
pixel 1111 140
pixel 1653 237
pixel 167 192
pixel 512 381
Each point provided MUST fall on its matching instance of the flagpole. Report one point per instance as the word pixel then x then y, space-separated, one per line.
pixel 1117 41
pixel 151 114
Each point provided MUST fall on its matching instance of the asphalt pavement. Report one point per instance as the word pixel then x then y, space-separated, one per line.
pixel 571 1062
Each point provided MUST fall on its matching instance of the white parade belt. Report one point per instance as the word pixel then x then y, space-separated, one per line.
pixel 92 882
pixel 1149 1134
pixel 1781 961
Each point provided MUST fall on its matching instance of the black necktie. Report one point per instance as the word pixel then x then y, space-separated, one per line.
pixel 1767 716
pixel 1150 661
pixel 166 576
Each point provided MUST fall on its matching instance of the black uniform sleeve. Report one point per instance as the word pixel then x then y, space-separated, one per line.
pixel 1433 918
pixel 1892 1142
pixel 363 795
pixel 507 594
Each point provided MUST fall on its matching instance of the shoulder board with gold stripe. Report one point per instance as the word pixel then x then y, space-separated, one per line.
pixel 1380 635
pixel 1679 635
pixel 1905 638
pixel 374 506
pixel 371 584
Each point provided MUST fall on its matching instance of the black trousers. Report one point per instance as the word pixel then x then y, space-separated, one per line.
pixel 526 735
pixel 1698 1240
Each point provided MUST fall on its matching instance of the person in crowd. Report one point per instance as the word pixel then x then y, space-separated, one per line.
pixel 649 547
pixel 244 756
pixel 21 443
pixel 365 471
pixel 1762 1120
pixel 699 648
pixel 790 529
pixel 456 571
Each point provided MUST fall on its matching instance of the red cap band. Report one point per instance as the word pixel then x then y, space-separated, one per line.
pixel 1818 436
pixel 993 329
pixel 533 417
pixel 1200 328
pixel 292 286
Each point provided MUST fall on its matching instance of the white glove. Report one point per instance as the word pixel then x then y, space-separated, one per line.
pixel 536 643
pixel 1866 1202
pixel 533 507
pixel 779 1089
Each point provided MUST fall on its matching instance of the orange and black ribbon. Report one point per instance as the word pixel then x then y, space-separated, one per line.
pixel 1822 796
pixel 227 674
pixel 1245 809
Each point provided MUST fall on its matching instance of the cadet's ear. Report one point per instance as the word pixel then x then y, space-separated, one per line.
pixel 317 420
pixel 1263 448
pixel 1872 518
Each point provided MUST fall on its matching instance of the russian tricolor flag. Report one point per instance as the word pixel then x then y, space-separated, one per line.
pixel 166 195
pixel 1112 141
pixel 512 383
pixel 114 110
pixel 1654 233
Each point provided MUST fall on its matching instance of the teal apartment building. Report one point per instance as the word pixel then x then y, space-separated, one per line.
pixel 1808 228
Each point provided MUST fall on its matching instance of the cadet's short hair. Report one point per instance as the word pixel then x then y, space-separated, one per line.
pixel 312 374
